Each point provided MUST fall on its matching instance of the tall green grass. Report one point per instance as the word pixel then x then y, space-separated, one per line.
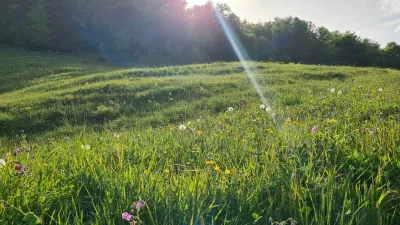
pixel 263 168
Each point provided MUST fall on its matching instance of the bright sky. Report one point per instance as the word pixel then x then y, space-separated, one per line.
pixel 378 20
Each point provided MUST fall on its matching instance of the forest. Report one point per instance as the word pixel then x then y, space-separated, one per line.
pixel 169 31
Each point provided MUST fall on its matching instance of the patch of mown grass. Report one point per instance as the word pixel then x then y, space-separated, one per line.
pixel 93 142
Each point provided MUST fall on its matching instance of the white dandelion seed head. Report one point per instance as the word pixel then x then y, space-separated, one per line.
pixel 340 92
pixel 333 90
pixel 230 109
pixel 268 109
pixel 380 89
pixel 182 127
pixel 2 163
pixel 262 106
pixel 85 147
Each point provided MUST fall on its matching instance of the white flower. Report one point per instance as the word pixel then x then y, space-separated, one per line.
pixel 340 92
pixel 268 109
pixel 85 147
pixel 230 109
pixel 2 163
pixel 380 89
pixel 262 106
pixel 116 135
pixel 198 120
pixel 333 90
pixel 182 127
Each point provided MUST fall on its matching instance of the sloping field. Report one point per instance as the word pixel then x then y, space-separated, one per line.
pixel 94 138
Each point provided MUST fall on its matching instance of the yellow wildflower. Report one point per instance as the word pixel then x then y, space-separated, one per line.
pixel 227 172
pixel 145 172
pixel 211 162
pixel 332 121
pixel 216 168
pixel 167 171
pixel 199 132
pixel 270 131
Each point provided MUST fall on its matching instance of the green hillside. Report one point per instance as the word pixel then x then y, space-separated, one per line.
pixel 95 137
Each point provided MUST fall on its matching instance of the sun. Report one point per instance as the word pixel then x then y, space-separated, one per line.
pixel 196 2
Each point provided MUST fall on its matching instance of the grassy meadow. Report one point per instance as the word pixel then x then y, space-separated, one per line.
pixel 82 140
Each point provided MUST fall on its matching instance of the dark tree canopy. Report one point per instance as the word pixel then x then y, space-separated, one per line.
pixel 170 31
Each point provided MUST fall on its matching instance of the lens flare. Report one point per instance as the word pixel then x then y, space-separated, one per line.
pixel 241 54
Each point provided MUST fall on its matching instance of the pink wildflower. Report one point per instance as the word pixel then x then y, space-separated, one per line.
pixel 314 129
pixel 18 167
pixel 126 216
pixel 140 204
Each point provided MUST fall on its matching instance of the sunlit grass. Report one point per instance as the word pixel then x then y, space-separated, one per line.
pixel 94 142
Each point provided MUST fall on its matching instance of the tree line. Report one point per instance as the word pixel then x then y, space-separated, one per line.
pixel 169 30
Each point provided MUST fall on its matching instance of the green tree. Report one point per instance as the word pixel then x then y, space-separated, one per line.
pixel 169 30
pixel 35 29
pixel 391 55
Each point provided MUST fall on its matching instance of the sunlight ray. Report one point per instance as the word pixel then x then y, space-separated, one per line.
pixel 241 54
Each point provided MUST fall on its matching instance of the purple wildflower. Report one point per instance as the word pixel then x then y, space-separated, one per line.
pixel 314 129
pixel 126 216
pixel 140 204
pixel 19 150
pixel 18 167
